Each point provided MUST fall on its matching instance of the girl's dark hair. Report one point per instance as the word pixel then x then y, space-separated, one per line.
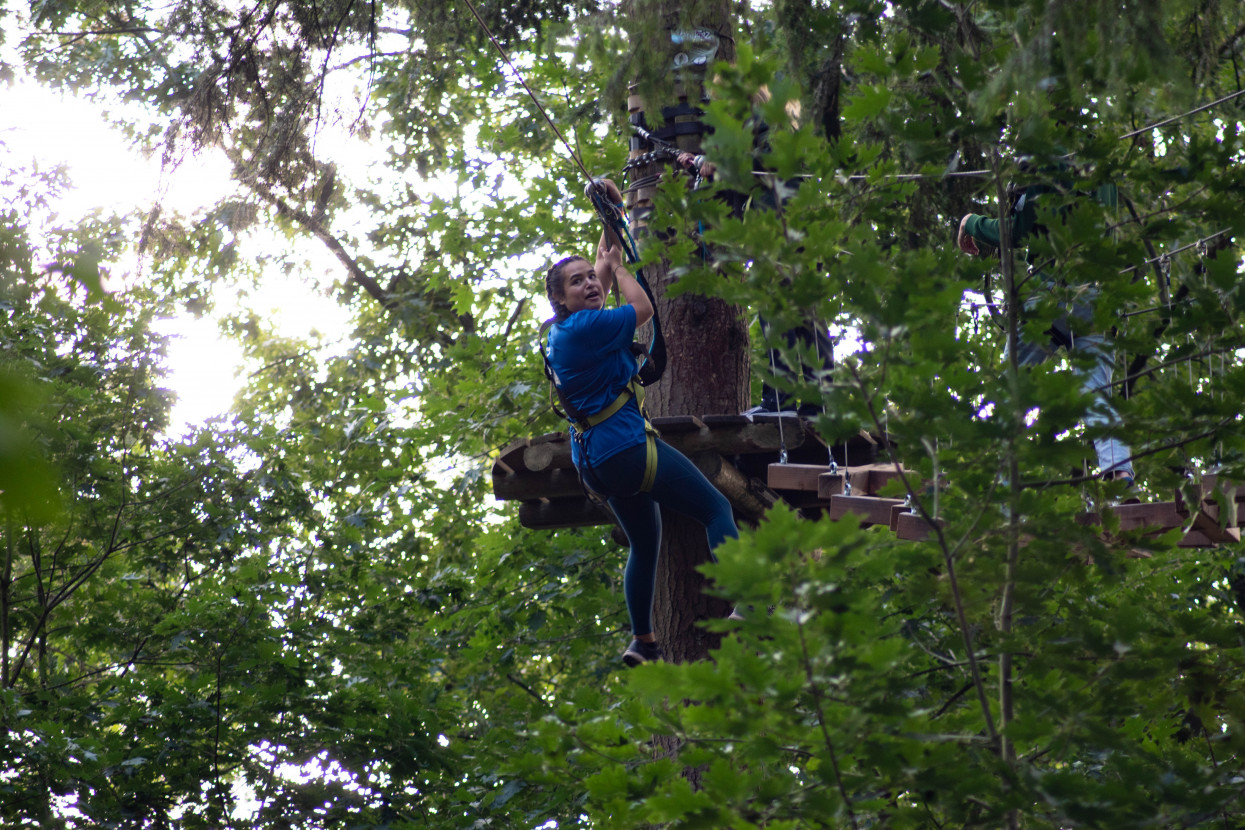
pixel 553 285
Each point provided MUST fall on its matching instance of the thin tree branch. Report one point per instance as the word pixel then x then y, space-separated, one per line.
pixel 514 316
pixel 825 731
pixel 1230 44
pixel 317 228
pixel 1210 433
pixel 85 33
pixel 525 688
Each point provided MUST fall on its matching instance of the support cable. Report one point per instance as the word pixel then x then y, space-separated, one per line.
pixel 519 75
pixel 1175 118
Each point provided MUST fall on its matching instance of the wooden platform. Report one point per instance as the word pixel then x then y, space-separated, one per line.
pixel 735 452
pixel 742 456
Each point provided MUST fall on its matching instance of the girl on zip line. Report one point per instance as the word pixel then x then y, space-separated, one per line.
pixel 614 448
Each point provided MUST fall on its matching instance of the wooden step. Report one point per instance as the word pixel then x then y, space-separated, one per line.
pixel 802 477
pixel 1161 515
pixel 871 509
pixel 912 527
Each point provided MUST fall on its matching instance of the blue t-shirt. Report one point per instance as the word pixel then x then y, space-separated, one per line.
pixel 590 352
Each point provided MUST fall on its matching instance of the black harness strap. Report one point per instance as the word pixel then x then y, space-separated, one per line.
pixel 614 218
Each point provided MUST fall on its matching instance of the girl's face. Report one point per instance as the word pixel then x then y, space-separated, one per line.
pixel 580 287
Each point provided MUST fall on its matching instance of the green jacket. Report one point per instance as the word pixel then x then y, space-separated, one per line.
pixel 985 229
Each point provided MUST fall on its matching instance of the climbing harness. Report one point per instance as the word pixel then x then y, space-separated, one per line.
pixel 585 422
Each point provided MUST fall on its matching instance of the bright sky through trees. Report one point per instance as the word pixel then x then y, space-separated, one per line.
pixel 44 128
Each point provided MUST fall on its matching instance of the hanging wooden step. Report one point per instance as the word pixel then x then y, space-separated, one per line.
pixel 831 484
pixel 872 510
pixel 826 481
pixel 1202 529
pixel 799 477
pixel 866 480
pixel 911 527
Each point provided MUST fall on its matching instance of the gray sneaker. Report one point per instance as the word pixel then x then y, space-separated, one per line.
pixel 641 652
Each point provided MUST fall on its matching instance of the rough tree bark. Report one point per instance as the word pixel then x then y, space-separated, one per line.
pixel 707 373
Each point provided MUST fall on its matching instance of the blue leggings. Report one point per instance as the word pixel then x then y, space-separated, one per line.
pixel 678 485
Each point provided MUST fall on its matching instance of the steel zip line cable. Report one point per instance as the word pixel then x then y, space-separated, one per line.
pixel 530 94
pixel 1175 118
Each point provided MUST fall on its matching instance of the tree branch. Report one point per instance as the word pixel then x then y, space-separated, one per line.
pixel 525 688
pixel 1210 433
pixel 1230 44
pixel 310 223
pixel 825 732
pixel 948 558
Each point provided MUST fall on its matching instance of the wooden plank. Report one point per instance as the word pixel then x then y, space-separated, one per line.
pixel 1157 515
pixel 872 510
pixel 723 420
pixel 866 480
pixel 672 424
pixel 550 484
pixel 832 484
pixel 1204 531
pixel 789 420
pixel 896 512
pixel 559 513
pixel 801 477
pixel 912 528
pixel 880 475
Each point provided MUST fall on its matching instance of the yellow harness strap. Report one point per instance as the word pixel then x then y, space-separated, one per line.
pixel 633 390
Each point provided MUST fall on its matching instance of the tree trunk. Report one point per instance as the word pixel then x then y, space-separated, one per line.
pixel 707 372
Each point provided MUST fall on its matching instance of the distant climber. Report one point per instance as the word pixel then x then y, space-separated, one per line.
pixel 1071 331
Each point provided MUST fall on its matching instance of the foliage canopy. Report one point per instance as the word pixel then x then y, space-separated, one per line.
pixel 314 614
